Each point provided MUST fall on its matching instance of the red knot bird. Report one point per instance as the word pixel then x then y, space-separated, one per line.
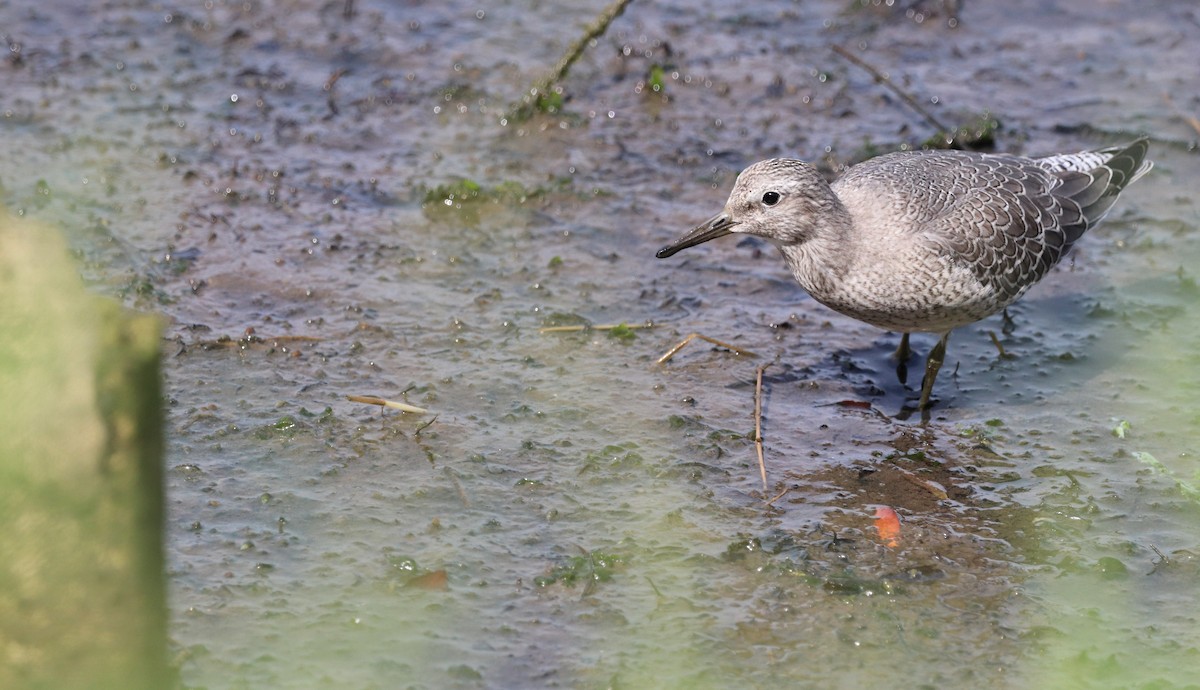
pixel 924 241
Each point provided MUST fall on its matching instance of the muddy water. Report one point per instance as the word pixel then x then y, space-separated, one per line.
pixel 276 180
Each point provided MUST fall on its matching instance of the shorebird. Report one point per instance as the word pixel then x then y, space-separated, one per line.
pixel 924 241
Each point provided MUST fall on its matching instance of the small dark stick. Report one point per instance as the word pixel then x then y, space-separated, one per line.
pixel 882 78
pixel 544 85
pixel 330 84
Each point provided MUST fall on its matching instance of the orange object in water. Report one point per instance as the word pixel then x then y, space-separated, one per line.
pixel 887 522
pixel 432 580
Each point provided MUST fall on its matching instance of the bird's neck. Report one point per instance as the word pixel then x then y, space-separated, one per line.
pixel 820 262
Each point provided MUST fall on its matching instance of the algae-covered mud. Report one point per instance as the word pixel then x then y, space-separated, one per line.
pixel 328 199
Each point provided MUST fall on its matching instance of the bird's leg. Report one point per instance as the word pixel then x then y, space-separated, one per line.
pixel 903 353
pixel 1008 324
pixel 936 356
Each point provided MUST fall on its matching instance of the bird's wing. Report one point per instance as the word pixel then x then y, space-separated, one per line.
pixel 997 215
pixel 1008 219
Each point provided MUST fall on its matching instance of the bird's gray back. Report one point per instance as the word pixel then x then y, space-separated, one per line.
pixel 1008 219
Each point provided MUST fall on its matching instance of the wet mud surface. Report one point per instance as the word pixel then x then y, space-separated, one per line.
pixel 323 205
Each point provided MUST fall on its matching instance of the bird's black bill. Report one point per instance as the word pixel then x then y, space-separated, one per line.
pixel 717 226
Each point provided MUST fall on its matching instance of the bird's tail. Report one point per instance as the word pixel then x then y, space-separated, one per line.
pixel 1092 181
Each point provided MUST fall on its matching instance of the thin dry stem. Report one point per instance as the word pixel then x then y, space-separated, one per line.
pixel 692 336
pixel 758 438
pixel 383 402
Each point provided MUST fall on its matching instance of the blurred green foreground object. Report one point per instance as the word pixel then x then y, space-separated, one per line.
pixel 81 504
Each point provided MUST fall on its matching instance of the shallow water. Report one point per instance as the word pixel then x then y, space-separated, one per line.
pixel 574 514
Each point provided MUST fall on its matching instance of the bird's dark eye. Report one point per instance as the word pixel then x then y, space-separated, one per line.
pixel 771 198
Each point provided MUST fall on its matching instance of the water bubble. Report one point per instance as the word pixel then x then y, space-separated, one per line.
pixel 479 14
pixel 233 98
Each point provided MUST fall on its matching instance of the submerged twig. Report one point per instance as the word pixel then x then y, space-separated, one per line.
pixel 458 487
pixel 588 327
pixel 424 426
pixel 1163 559
pixel 781 494
pixel 330 86
pixel 383 402
pixel 692 336
pixel 932 487
pixel 654 587
pixel 882 78
pixel 1190 119
pixel 758 438
pixel 541 87
pixel 251 341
